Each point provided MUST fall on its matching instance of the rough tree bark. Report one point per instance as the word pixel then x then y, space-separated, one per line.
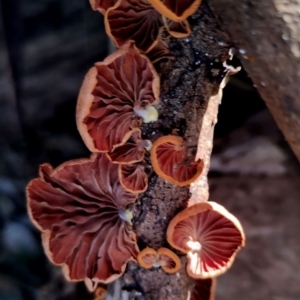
pixel 267 35
pixel 190 95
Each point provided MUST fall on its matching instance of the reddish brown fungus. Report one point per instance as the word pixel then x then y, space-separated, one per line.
pixel 159 51
pixel 204 289
pixel 131 151
pixel 169 261
pixel 102 5
pixel 133 20
pixel 133 177
pixel 167 155
pixel 210 236
pixel 176 10
pixel 114 96
pixel 148 258
pixel 177 29
pixel 163 257
pixel 100 293
pixel 79 208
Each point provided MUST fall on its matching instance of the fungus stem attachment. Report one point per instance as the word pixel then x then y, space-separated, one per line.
pixel 149 113
pixel 126 215
pixel 194 246
pixel 148 146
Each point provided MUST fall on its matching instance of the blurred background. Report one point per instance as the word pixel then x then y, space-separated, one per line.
pixel 46 47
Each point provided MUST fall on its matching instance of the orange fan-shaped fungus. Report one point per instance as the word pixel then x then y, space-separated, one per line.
pixel 79 207
pixel 204 289
pixel 148 258
pixel 163 257
pixel 115 95
pixel 210 236
pixel 100 293
pixel 133 150
pixel 177 29
pixel 133 177
pixel 159 51
pixel 167 155
pixel 176 10
pixel 169 261
pixel 133 20
pixel 102 5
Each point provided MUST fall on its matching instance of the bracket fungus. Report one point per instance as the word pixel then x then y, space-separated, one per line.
pixel 210 236
pixel 163 257
pixel 176 10
pixel 204 289
pixel 148 258
pixel 102 5
pixel 133 177
pixel 159 51
pixel 114 96
pixel 131 151
pixel 79 208
pixel 139 21
pixel 133 20
pixel 167 158
pixel 177 29
pixel 100 293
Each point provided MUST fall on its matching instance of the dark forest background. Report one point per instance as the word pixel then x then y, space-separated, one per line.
pixel 46 47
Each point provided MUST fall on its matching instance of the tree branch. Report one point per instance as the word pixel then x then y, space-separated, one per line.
pixel 190 86
pixel 267 34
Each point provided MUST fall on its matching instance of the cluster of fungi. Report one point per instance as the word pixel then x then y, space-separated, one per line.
pixel 81 206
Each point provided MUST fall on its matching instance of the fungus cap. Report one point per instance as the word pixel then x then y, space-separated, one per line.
pixel 133 177
pixel 132 150
pixel 169 261
pixel 159 51
pixel 102 5
pixel 100 293
pixel 210 236
pixel 177 29
pixel 167 156
pixel 163 257
pixel 176 10
pixel 133 20
pixel 148 258
pixel 112 91
pixel 77 207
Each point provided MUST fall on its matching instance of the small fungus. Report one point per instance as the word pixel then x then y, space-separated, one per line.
pixel 210 236
pixel 177 29
pixel 133 20
pixel 163 257
pixel 100 293
pixel 148 258
pixel 159 51
pixel 176 10
pixel 132 150
pixel 113 96
pixel 204 289
pixel 102 5
pixel 167 156
pixel 133 177
pixel 77 207
pixel 169 261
